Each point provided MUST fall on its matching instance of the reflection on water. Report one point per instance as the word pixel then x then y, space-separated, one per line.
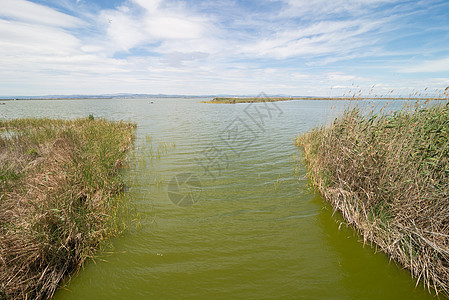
pixel 254 230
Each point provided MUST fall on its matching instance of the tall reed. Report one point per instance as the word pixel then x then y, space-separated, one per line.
pixel 388 174
pixel 59 182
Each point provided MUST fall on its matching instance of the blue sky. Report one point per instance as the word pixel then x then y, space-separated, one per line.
pixel 291 47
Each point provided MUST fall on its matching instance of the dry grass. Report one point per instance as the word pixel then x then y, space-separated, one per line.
pixel 388 174
pixel 58 181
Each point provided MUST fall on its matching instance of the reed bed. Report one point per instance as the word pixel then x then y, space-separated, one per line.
pixel 356 95
pixel 59 203
pixel 388 174
pixel 234 100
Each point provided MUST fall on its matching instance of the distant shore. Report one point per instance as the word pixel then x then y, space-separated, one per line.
pixel 215 99
pixel 235 100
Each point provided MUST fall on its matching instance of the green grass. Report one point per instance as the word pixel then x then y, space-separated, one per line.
pixel 59 183
pixel 388 174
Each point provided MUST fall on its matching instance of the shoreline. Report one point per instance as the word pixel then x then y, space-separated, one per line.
pixel 236 100
pixel 388 175
pixel 60 183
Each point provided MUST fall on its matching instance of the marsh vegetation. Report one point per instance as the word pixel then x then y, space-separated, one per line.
pixel 351 96
pixel 388 174
pixel 59 183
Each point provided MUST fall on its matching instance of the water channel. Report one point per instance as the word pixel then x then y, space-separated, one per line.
pixel 225 211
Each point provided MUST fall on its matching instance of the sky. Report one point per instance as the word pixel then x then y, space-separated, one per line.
pixel 211 47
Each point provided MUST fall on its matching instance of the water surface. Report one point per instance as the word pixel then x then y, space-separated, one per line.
pixel 255 229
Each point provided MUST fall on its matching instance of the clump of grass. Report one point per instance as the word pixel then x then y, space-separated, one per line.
pixel 388 174
pixel 59 182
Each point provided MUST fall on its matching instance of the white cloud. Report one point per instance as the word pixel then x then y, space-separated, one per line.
pixel 336 37
pixel 171 27
pixel 156 46
pixel 150 5
pixel 428 66
pixel 340 76
pixel 30 12
pixel 37 54
pixel 20 39
pixel 124 31
pixel 324 8
pixel 131 26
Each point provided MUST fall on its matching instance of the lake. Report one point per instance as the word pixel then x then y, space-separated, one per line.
pixel 224 209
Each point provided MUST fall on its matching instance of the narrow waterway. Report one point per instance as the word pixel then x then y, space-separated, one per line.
pixel 224 209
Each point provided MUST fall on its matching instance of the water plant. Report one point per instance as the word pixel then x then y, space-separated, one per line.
pixel 276 183
pixel 58 205
pixel 388 174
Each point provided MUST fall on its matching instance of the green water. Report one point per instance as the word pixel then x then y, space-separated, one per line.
pixel 255 230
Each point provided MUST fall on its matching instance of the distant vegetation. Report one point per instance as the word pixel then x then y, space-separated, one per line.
pixel 224 100
pixel 59 182
pixel 235 100
pixel 388 174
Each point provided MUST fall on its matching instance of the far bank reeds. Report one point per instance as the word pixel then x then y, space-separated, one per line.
pixel 58 181
pixel 236 100
pixel 388 174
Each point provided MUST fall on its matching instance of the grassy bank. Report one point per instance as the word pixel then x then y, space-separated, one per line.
pixel 59 182
pixel 389 177
pixel 235 100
